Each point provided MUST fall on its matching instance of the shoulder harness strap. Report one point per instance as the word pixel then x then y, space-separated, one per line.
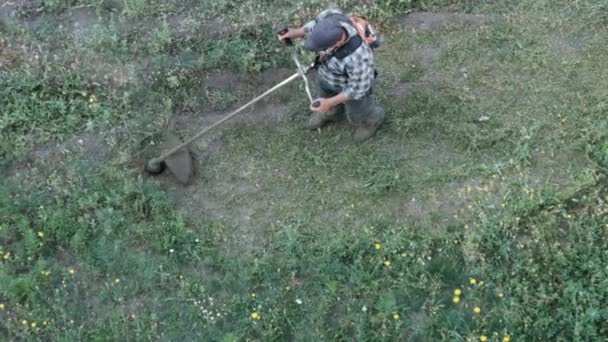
pixel 347 49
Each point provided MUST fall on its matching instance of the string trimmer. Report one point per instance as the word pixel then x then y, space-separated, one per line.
pixel 178 158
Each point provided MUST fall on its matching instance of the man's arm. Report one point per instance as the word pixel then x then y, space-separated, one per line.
pixel 325 105
pixel 299 32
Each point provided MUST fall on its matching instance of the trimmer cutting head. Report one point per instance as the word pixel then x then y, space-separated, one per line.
pixel 180 162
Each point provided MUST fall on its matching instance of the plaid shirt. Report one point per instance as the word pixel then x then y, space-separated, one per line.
pixel 352 75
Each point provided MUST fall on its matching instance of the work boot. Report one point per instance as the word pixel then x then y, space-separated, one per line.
pixel 367 129
pixel 318 120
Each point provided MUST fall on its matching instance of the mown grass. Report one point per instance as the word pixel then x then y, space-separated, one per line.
pixel 320 238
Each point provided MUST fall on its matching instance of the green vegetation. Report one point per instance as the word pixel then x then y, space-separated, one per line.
pixel 485 189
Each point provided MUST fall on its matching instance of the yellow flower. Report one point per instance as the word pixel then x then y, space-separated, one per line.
pixel 396 317
pixel 1 306
pixel 72 271
pixel 466 226
pixel 253 295
pixel 44 323
pixel 481 283
pixel 92 98
pixel 472 281
pixel 33 325
pixel 477 310
pixel 71 321
pixel 501 295
pixel 456 300
pixel 256 316
pixel 457 292
pixel 24 322
pixel 117 280
pixel 377 246
pixel 470 206
pixel 387 263
pixel 404 254
pixel 456 242
pixel 40 234
pixel 483 338
pixel 503 204
pixel 7 256
pixel 506 339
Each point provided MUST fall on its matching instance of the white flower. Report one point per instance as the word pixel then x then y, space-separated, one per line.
pixel 171 250
pixel 299 301
pixel 364 308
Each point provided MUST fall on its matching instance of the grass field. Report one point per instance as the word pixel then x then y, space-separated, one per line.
pixel 479 211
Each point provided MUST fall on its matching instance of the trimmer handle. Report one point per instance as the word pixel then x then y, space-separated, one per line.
pixel 287 41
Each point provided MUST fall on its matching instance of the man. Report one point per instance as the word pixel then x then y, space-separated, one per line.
pixel 346 73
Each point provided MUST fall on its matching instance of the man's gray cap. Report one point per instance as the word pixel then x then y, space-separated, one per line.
pixel 325 34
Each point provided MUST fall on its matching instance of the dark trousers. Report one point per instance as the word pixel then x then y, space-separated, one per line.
pixel 364 111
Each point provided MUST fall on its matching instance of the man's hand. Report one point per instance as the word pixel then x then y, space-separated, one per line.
pixel 324 105
pixel 292 33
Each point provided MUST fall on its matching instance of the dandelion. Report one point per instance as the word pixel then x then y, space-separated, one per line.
pixel 117 280
pixel 483 338
pixel 92 99
pixel 396 317
pixel 481 283
pixel 501 295
pixel 24 322
pixel 45 323
pixel 72 271
pixel 253 296
pixel 72 321
pixel 256 315
pixel 404 254
pixel 457 292
pixel 1 306
pixel 456 300
pixel 477 310
pixel 387 263
pixel 33 325
pixel 506 339
pixel 456 242
pixel 472 281
pixel 503 204
pixel 377 246
pixel 466 226
pixel 40 234
pixel 7 256
pixel 470 206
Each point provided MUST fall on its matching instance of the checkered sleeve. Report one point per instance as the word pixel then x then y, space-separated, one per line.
pixel 360 71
